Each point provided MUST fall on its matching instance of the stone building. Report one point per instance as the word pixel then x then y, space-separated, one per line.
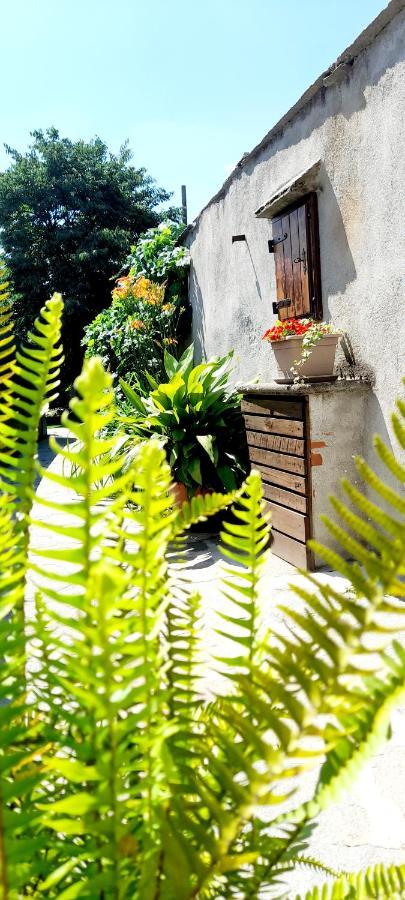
pixel 328 180
pixel 326 184
pixel 323 192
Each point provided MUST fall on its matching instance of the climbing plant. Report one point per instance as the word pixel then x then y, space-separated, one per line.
pixel 120 776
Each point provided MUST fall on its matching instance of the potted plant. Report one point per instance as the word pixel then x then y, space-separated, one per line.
pixel 303 348
pixel 197 416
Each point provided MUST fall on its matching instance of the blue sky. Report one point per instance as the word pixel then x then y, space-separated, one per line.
pixel 192 85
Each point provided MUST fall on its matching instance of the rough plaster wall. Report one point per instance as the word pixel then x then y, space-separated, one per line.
pixel 333 449
pixel 357 129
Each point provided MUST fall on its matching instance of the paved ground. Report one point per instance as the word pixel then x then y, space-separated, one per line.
pixel 368 825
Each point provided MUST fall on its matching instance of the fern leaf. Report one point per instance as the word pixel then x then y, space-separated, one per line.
pixel 7 345
pixel 200 508
pixel 377 883
pixel 243 540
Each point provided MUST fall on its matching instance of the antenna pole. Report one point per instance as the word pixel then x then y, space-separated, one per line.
pixel 184 203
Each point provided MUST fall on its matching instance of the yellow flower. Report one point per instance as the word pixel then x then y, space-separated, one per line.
pixel 169 341
pixel 168 307
pixel 146 290
pixel 137 324
pixel 139 289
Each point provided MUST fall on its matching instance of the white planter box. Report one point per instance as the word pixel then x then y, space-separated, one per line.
pixel 319 365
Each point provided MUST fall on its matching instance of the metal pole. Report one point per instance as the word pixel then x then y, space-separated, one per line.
pixel 184 203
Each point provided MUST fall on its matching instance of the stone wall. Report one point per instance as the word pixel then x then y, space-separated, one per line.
pixel 353 122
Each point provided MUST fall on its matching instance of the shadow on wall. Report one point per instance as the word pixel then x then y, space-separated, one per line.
pixel 337 264
pixel 198 316
pixel 254 270
pixel 377 424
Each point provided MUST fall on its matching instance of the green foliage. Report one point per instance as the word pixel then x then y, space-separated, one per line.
pixel 28 381
pixel 378 883
pixel 69 211
pixel 156 255
pixel 199 419
pixel 131 335
pixel 148 311
pixel 119 777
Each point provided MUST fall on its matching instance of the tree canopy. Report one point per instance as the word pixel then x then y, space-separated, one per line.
pixel 69 212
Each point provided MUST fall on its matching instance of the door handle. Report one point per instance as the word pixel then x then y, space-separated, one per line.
pixel 302 259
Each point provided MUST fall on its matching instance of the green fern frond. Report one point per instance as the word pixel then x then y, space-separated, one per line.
pixel 243 541
pixel 79 496
pixel 387 493
pixel 30 383
pixel 389 460
pixel 184 666
pixel 28 389
pixel 377 883
pixel 21 742
pixel 202 507
pixel 7 344
pixel 118 777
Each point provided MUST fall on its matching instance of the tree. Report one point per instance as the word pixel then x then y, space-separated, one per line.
pixel 69 212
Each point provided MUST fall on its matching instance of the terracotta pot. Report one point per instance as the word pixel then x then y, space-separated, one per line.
pixel 319 365
pixel 179 493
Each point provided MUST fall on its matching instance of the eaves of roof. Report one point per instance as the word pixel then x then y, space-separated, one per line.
pixel 331 76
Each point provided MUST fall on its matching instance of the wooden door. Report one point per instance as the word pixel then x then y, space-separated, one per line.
pixel 276 430
pixel 296 255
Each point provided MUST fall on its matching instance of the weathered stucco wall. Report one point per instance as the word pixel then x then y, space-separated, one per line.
pixel 357 129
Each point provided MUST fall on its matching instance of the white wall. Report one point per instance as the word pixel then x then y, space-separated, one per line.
pixel 357 129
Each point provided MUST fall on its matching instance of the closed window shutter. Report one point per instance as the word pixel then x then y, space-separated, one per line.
pixel 297 261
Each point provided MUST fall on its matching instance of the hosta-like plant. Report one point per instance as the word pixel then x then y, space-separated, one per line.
pixel 197 415
pixel 122 773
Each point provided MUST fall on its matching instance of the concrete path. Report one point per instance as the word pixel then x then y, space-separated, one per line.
pixel 368 825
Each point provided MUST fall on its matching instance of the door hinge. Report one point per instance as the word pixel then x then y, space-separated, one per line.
pixel 281 304
pixel 273 241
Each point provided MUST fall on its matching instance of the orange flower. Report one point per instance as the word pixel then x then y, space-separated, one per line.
pixel 143 289
pixel 122 286
pixel 139 289
pixel 137 324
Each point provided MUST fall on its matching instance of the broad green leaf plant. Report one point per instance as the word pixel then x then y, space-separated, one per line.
pixel 197 415
pixel 119 776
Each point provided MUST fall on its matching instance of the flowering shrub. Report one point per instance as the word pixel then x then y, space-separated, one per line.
pixel 148 309
pixel 131 335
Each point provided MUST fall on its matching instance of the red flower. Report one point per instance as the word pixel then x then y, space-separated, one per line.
pixel 286 328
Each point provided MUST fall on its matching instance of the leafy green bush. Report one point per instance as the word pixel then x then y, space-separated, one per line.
pixel 119 779
pixel 156 254
pixel 130 336
pixel 148 309
pixel 199 419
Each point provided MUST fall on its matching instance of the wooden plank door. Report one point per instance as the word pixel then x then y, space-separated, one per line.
pixel 276 431
pixel 297 262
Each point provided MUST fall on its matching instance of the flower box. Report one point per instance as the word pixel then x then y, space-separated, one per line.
pixel 304 349
pixel 318 366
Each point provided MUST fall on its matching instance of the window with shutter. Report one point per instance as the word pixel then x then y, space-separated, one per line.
pixel 295 245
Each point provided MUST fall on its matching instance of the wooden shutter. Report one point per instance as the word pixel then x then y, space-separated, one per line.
pixel 296 255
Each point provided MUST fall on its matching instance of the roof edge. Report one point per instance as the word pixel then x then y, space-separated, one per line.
pixel 328 78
